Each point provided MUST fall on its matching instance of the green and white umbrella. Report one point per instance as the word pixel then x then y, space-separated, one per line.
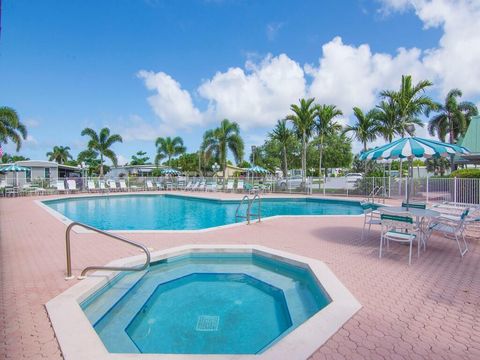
pixel 413 147
pixel 258 170
pixel 170 171
pixel 14 168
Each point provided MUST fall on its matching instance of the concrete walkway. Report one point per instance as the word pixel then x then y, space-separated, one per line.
pixel 429 310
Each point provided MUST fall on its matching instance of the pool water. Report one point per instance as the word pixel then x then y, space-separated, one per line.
pixel 205 303
pixel 170 212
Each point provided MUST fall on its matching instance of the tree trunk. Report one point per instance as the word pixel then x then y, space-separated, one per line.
pixel 304 159
pixel 320 151
pixel 285 166
pixel 452 165
pixel 101 165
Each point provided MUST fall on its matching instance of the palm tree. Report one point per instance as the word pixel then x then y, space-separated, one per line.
pixel 325 126
pixel 366 128
pixel 453 117
pixel 216 143
pixel 303 119
pixel 410 102
pixel 11 127
pixel 168 148
pixel 59 154
pixel 386 116
pixel 101 144
pixel 283 135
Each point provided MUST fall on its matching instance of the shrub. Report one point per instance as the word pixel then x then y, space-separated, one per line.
pixel 466 173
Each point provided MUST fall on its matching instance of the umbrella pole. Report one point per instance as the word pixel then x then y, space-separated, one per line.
pixel 409 180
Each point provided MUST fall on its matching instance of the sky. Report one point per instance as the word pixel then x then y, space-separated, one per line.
pixel 150 68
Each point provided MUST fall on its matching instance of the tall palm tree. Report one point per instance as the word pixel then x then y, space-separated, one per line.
pixel 11 127
pixel 283 135
pixel 217 142
pixel 453 117
pixel 366 128
pixel 59 154
pixel 303 119
pixel 410 102
pixel 386 116
pixel 168 148
pixel 101 143
pixel 325 126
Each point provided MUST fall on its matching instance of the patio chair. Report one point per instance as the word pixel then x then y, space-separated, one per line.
pixel 201 186
pixel 123 185
pixel 211 187
pixel 91 186
pixel 195 186
pixel 230 184
pixel 414 205
pixel 101 186
pixel 451 227
pixel 72 185
pixel 150 185
pixel 240 186
pixel 112 185
pixel 372 217
pixel 188 186
pixel 398 227
pixel 60 185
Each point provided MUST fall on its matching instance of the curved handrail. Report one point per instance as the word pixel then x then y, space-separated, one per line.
pixel 113 268
pixel 259 210
pixel 239 206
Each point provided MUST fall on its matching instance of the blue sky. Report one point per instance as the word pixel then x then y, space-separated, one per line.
pixel 149 68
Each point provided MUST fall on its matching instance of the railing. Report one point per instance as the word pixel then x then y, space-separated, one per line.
pixel 248 214
pixel 90 268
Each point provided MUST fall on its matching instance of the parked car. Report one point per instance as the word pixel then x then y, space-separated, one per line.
pixel 353 177
pixel 292 182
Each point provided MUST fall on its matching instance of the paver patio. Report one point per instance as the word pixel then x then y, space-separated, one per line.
pixel 429 310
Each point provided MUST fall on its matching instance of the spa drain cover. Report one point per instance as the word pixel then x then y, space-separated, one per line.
pixel 207 323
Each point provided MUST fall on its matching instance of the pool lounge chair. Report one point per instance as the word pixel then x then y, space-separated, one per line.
pixel 240 186
pixel 211 187
pixel 201 186
pixel 91 186
pixel 123 185
pixel 102 187
pixel 188 186
pixel 150 185
pixel 112 185
pixel 230 184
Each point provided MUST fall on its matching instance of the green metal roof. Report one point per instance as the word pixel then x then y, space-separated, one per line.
pixel 471 139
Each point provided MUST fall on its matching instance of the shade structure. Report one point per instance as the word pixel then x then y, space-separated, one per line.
pixel 258 170
pixel 13 168
pixel 413 147
pixel 170 171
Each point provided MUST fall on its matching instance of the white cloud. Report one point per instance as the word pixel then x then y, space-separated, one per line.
pixel 171 103
pixel 350 76
pixel 136 128
pixel 258 96
pixel 31 123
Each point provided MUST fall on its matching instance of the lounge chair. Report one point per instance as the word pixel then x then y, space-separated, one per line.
pixel 112 185
pixel 150 185
pixel 451 227
pixel 240 187
pixel 101 186
pixel 230 184
pixel 188 186
pixel 123 185
pixel 91 186
pixel 399 227
pixel 201 186
pixel 211 187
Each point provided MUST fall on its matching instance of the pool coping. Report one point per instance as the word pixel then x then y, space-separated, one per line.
pixel 78 340
pixel 79 230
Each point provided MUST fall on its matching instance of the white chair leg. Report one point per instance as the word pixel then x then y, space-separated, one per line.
pixel 410 253
pixel 381 246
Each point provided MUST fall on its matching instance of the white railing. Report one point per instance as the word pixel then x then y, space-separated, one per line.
pixel 429 189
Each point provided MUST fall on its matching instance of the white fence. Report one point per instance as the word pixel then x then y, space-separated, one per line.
pixel 428 189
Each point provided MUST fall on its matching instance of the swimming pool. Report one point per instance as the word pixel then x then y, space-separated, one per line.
pixel 205 303
pixel 173 212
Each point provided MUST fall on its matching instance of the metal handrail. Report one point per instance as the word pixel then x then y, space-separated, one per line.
pixel 259 210
pixel 113 268
pixel 238 208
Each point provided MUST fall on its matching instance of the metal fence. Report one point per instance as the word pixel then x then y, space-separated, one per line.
pixel 429 189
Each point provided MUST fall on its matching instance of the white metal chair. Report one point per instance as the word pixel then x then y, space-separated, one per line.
pixel 112 185
pixel 398 227
pixel 372 217
pixel 123 185
pixel 91 186
pixel 150 185
pixel 452 227
pixel 240 185
pixel 230 184
pixel 72 185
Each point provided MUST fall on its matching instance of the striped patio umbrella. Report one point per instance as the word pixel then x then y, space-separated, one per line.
pixel 13 168
pixel 258 170
pixel 413 147
pixel 170 171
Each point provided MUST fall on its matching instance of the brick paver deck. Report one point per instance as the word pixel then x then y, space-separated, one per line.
pixel 429 310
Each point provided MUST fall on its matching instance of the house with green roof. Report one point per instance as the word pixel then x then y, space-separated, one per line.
pixel 471 141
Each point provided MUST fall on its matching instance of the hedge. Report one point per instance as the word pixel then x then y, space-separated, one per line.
pixel 466 173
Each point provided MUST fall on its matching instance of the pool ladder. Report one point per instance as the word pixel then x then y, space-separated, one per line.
pixel 90 268
pixel 249 214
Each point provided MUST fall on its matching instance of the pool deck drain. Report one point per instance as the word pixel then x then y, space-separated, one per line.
pixel 207 323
